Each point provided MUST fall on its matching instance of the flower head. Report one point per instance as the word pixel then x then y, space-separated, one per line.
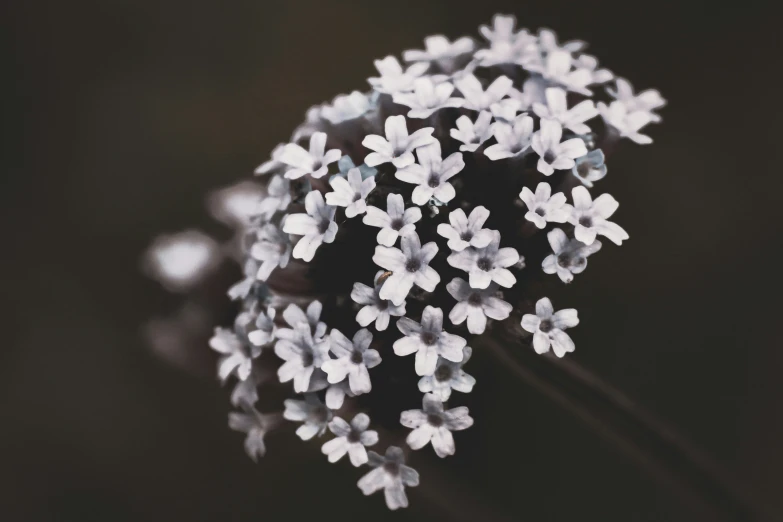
pixel 476 305
pixel 428 341
pixel 543 206
pixel 590 218
pixel 590 167
pixel 432 424
pixel 351 439
pixel 398 146
pixel 547 327
pixel 569 256
pixel 375 308
pixel 353 360
pixel 390 474
pixel 466 231
pixel 552 153
pixel 409 266
pixel 448 376
pixel 487 264
pixel 472 134
pixel 427 97
pixel 431 174
pixel 395 222
pixel 314 162
pixel 316 227
pixel 351 192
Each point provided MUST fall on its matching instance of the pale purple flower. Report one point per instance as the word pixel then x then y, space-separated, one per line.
pixel 590 167
pixel 431 174
pixel 513 139
pixel 487 264
pixel 354 358
pixel 302 356
pixel 646 101
pixel 438 49
pixel 557 67
pixel 395 222
pixel 272 249
pixel 556 108
pixel 448 376
pixel 506 45
pixel 311 412
pixel 247 391
pixel 409 266
pixel 463 231
pixel 427 97
pixel 256 425
pixel 293 315
pixel 543 207
pixel 345 107
pixel 547 328
pixel 554 154
pixel 627 123
pixel 393 78
pixel 390 474
pixel 315 227
pixel 478 99
pixel 235 356
pixel 351 439
pixel 590 218
pixel 569 256
pixel 471 134
pixel 350 193
pixel 432 424
pixel 476 305
pixel 590 63
pixel 375 308
pixel 398 146
pixel 314 163
pixel 428 341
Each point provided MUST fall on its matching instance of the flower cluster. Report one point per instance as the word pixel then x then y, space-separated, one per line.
pixel 475 164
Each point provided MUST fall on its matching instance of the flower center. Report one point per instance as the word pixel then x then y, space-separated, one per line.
pixel 564 260
pixel 321 414
pixel 550 156
pixel 354 436
pixel 382 304
pixel 412 265
pixel 307 360
pixel 357 358
pixel 397 224
pixel 357 197
pixel 435 421
pixel 484 264
pixel 323 226
pixel 475 299
pixel 583 169
pixel 586 221
pixel 434 182
pixel 428 338
pixel 443 373
pixel 540 211
pixel 466 236
pixel 392 468
pixel 546 326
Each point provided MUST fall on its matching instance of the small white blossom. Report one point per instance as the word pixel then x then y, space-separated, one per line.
pixel 557 67
pixel 315 227
pixel 234 355
pixel 505 44
pixel 513 139
pixel 293 315
pixel 246 392
pixel 591 217
pixel 237 204
pixel 409 266
pixel 448 376
pixel 646 101
pixel 314 163
pixel 180 261
pixel 547 328
pixel 438 49
pixel 476 98
pixel 487 264
pixel 274 164
pixel 569 256
pixel 398 146
pixel 277 198
pixel 554 154
pixel 556 108
pixel 346 107
pixel 395 222
pixel 302 355
pixel 590 63
pixel 476 305
pixel 431 174
pixel 627 123
pixel 543 206
pixel 393 79
pixel 314 415
pixel 390 474
pixel 266 330
pixel 375 308
pixel 351 192
pixel 428 340
pixel 427 98
pixel 463 231
pixel 351 439
pixel 256 425
pixel 590 167
pixel 272 248
pixel 472 135
pixel 433 425
pixel 506 110
pixel 547 41
pixel 354 358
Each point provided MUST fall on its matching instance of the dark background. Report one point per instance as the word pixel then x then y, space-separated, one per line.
pixel 119 116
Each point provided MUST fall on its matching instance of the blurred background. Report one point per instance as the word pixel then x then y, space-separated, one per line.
pixel 119 116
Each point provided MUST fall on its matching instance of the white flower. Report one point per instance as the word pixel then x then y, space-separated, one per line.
pixel 181 260
pixel 433 425
pixel 302 355
pixel 464 231
pixel 590 167
pixel 277 198
pixel 590 217
pixel 590 63
pixel 427 97
pixel 476 98
pixel 314 162
pixel 554 154
pixel 353 360
pixel 351 439
pixel 627 123
pixel 506 109
pixel 247 391
pixel 487 264
pixel 315 227
pixel 471 134
pixel 409 266
pixel 375 308
pixel 293 315
pixel 272 248
pixel 547 41
pixel 506 45
pixel 235 356
pixel 547 328
pixel 273 164
pixel 393 79
pixel 266 330
pixel 395 222
pixel 398 146
pixel 350 193
pixel 237 204
pixel 513 139
pixel 438 49
pixel 646 101
pixel 390 474
pixel 476 305
pixel 543 207
pixel 346 107
pixel 556 108
pixel 256 425
pixel 431 174
pixel 428 341
pixel 569 256
pixel 557 67
pixel 448 376
pixel 314 415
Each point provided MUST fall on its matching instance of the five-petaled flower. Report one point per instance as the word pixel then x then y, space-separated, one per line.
pixel 409 266
pixel 390 474
pixel 646 101
pixel 557 109
pixel 547 327
pixel 311 412
pixel 432 424
pixel 543 206
pixel 472 134
pixel 569 256
pixel 476 305
pixel 314 163
pixel 351 439
pixel 590 218
pixel 302 356
pixel 428 340
pixel 398 146
pixel 395 222
pixel 466 231
pixel 315 227
pixel 427 97
pixel 431 174
pixel 448 376
pixel 478 99
pixel 552 153
pixel 353 360
pixel 272 249
pixel 351 192
pixel 393 78
pixel 256 425
pixel 235 355
pixel 487 264
pixel 439 50
pixel 513 138
pixel 627 123
pixel 375 308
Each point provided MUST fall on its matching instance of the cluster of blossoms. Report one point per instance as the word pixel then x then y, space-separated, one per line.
pixel 466 156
